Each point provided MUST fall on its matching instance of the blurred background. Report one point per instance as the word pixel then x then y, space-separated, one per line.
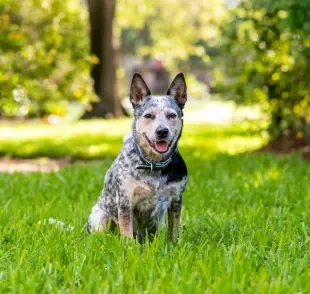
pixel 65 71
pixel 65 60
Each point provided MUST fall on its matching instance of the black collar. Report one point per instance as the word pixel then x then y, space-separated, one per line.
pixel 152 165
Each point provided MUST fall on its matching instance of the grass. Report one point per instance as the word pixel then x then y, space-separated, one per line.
pixel 246 218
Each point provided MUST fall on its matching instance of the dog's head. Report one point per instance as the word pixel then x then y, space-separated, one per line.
pixel 158 120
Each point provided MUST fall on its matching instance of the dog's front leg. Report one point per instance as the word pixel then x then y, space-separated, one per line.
pixel 174 214
pixel 125 219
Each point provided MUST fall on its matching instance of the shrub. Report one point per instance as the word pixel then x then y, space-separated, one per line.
pixel 268 48
pixel 44 56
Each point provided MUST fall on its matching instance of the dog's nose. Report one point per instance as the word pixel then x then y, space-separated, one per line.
pixel 162 133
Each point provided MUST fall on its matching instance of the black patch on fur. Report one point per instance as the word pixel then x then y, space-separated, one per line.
pixel 176 170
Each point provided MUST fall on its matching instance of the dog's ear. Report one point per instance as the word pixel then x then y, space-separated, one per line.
pixel 138 89
pixel 177 89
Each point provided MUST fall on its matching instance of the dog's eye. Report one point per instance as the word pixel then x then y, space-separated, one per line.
pixel 148 115
pixel 172 115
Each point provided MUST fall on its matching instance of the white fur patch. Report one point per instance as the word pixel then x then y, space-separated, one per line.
pixel 98 219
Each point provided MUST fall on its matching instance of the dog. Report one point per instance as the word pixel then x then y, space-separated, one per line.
pixel 149 175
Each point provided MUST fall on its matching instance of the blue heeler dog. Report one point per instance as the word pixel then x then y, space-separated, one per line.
pixel 149 175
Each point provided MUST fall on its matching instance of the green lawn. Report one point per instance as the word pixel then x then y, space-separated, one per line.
pixel 246 218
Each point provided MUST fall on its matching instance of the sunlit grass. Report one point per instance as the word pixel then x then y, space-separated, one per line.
pixel 103 138
pixel 245 219
pixel 92 139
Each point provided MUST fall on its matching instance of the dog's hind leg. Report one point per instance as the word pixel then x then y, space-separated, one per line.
pixel 174 214
pixel 98 220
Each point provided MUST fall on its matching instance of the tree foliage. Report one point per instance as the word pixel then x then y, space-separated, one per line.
pixel 268 49
pixel 44 46
pixel 44 56
pixel 174 28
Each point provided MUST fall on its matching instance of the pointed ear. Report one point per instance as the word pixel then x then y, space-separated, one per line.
pixel 138 89
pixel 177 89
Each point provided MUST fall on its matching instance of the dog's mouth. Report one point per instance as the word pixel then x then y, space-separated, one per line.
pixel 160 146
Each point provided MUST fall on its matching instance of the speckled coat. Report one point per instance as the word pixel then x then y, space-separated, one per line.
pixel 137 199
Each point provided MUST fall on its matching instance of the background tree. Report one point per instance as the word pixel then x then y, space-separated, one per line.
pixel 103 45
pixel 44 49
pixel 171 31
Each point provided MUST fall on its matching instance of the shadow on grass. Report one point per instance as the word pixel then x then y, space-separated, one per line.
pixel 235 197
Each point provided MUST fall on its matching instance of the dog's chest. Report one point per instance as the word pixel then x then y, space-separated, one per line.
pixel 150 193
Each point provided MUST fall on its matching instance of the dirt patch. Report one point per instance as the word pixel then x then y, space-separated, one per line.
pixel 289 145
pixel 44 165
pixel 11 165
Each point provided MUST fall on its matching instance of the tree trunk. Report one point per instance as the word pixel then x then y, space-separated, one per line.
pixel 102 14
